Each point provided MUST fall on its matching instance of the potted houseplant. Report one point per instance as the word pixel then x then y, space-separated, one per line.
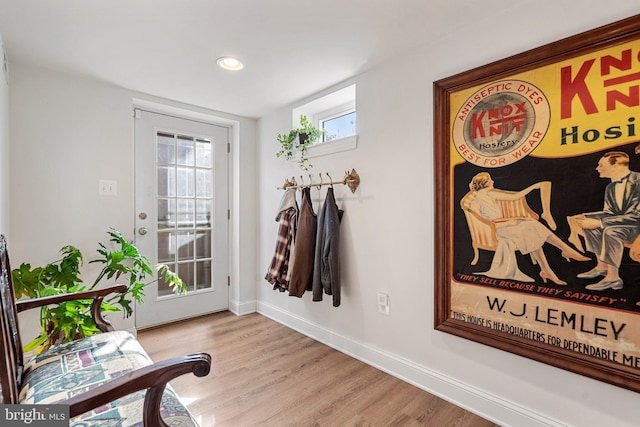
pixel 298 140
pixel 71 320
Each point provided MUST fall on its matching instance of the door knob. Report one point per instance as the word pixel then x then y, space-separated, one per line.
pixel 142 231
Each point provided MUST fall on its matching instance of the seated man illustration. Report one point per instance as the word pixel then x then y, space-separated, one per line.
pixel 606 232
pixel 517 233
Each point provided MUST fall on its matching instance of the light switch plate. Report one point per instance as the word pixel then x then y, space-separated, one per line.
pixel 107 187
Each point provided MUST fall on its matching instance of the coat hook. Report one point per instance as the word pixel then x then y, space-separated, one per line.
pixel 330 180
pixel 350 179
pixel 287 184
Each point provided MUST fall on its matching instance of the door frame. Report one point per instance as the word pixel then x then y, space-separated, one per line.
pixel 232 196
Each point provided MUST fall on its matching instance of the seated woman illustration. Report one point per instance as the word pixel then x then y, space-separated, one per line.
pixel 518 232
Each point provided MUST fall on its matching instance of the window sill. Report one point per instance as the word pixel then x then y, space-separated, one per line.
pixel 331 147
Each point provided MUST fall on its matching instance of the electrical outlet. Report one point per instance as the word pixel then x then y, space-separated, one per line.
pixel 107 187
pixel 383 303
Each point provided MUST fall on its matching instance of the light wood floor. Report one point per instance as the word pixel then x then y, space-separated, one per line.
pixel 265 374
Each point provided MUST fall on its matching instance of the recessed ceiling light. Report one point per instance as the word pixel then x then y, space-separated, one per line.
pixel 230 63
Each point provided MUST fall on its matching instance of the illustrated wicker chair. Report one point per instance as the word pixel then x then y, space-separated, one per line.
pixel 483 231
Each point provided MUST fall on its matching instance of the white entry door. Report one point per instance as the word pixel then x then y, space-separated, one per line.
pixel 181 202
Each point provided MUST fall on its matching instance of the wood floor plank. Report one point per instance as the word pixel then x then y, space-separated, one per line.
pixel 265 374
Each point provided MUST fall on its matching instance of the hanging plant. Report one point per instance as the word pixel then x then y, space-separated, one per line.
pixel 298 141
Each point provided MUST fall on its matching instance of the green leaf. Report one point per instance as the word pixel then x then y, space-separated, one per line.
pixel 27 282
pixel 126 306
pixel 109 308
pixel 88 330
pixel 39 342
pixel 65 272
pixel 177 284
pixel 288 144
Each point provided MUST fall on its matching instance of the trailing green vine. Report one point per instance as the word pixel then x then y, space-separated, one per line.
pixel 299 140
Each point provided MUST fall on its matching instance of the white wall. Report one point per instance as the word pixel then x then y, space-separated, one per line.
pixel 67 133
pixel 4 151
pixel 387 235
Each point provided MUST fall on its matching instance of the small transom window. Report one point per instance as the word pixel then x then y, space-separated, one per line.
pixel 335 113
pixel 338 126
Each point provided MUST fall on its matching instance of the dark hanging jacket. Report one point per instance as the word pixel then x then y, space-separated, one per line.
pixel 326 272
pixel 302 259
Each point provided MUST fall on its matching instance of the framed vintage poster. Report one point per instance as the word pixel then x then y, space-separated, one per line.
pixel 537 167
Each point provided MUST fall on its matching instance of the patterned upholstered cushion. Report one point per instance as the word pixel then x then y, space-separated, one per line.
pixel 68 369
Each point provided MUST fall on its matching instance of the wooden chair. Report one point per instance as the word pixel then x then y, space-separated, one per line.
pixel 483 231
pixel 153 377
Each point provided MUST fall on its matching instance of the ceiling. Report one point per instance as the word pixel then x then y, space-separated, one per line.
pixel 168 48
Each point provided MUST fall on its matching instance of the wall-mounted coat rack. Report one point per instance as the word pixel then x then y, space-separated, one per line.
pixel 350 179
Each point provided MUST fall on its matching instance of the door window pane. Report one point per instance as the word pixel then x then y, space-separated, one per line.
pixel 185 245
pixel 166 213
pixel 203 275
pixel 203 182
pixel 203 153
pixel 165 152
pixel 186 213
pixel 185 271
pixel 166 247
pixel 203 244
pixel 185 182
pixel 186 151
pixel 203 213
pixel 166 181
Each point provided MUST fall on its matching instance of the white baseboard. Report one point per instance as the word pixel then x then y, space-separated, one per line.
pixel 486 405
pixel 241 308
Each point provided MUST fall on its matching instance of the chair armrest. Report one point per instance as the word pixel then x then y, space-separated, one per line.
pixel 97 295
pixel 56 299
pixel 476 216
pixel 153 378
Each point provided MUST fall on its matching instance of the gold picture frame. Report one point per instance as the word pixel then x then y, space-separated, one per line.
pixel 520 147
